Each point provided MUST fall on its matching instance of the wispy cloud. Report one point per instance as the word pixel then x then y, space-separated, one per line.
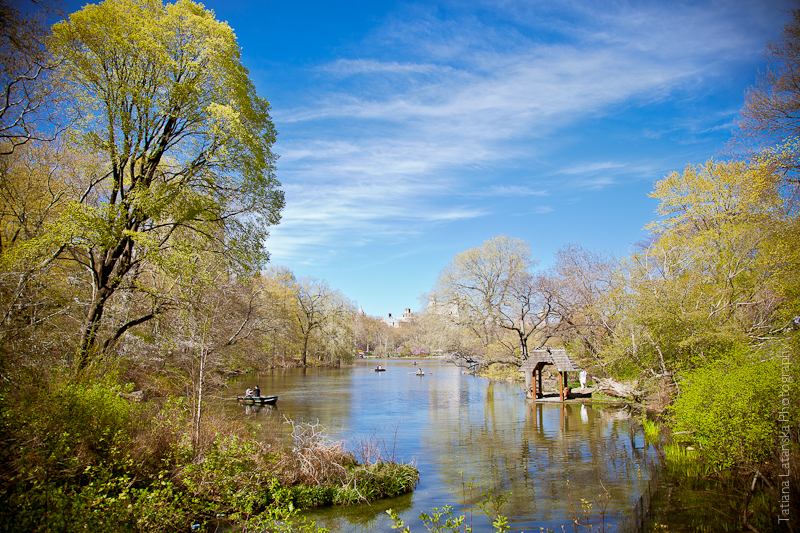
pixel 589 168
pixel 509 190
pixel 351 67
pixel 376 149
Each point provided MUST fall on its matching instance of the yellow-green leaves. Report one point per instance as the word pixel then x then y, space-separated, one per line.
pixel 709 196
pixel 702 287
pixel 160 94
pixel 135 65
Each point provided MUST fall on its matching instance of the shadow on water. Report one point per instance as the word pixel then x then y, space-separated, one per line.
pixel 467 436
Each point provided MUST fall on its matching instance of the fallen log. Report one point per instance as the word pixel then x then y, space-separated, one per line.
pixel 619 389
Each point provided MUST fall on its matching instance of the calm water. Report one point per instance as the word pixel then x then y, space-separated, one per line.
pixel 460 430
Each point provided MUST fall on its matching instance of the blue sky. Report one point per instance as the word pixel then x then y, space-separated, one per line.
pixel 412 131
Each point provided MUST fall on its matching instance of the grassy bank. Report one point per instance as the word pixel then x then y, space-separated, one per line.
pixel 84 457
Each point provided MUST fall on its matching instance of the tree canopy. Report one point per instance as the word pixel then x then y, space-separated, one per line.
pixel 182 142
pixel 487 286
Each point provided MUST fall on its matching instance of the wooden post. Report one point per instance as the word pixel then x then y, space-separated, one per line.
pixel 530 384
pixel 541 386
pixel 561 385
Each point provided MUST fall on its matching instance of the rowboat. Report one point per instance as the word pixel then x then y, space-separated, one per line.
pixel 263 400
pixel 380 369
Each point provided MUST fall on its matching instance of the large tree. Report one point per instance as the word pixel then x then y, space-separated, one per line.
pixel 772 106
pixel 489 287
pixel 580 286
pixel 320 310
pixel 160 94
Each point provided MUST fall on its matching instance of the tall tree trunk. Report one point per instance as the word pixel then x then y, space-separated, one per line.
pixel 108 274
pixel 523 345
pixel 199 397
pixel 91 325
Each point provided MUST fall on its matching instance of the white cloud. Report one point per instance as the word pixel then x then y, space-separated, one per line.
pixel 590 168
pixel 377 150
pixel 511 190
pixel 350 67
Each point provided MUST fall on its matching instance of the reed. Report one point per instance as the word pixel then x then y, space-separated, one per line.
pixel 685 461
pixel 652 430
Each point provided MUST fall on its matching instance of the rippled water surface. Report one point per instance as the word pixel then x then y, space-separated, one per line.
pixel 461 430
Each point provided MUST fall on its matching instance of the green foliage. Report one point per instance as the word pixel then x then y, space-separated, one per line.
pixel 712 279
pixel 729 410
pixel 229 476
pixel 159 96
pixel 72 426
pixel 361 483
pixel 281 520
pixel 445 521
pixel 652 430
pixel 77 464
pixel 380 480
pixel 685 461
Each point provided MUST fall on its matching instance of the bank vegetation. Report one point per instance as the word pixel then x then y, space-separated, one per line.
pixel 137 187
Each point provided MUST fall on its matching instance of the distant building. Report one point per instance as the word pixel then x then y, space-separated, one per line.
pixel 395 322
pixel 442 308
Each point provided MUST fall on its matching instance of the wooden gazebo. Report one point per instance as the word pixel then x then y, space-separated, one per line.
pixel 532 368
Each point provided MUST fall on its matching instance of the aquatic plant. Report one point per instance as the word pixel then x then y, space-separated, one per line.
pixel 590 518
pixel 444 521
pixel 652 430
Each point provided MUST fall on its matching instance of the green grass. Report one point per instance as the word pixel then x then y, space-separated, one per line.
pixel 652 430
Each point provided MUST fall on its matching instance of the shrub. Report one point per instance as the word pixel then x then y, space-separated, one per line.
pixel 729 410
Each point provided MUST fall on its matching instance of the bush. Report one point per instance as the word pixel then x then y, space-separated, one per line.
pixel 729 410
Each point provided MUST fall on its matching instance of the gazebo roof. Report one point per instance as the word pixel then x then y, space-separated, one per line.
pixel 549 356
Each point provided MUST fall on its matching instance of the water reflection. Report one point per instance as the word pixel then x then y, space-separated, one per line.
pixel 253 409
pixel 467 436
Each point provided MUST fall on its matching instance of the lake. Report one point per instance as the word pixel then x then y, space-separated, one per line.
pixel 467 436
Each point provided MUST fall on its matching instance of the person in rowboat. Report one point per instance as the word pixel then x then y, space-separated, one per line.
pixel 257 392
pixel 248 392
